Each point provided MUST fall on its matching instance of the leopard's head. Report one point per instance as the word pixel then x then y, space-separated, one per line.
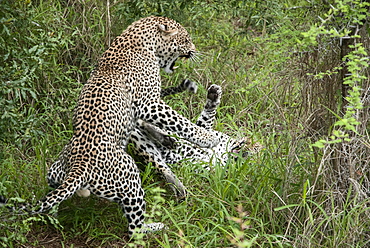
pixel 244 147
pixel 154 37
pixel 173 42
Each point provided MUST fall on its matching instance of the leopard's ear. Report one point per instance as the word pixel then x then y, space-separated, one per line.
pixel 166 32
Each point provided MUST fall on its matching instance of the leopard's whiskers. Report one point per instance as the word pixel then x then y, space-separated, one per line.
pixel 196 57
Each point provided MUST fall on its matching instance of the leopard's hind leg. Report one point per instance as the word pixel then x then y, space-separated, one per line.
pixel 122 184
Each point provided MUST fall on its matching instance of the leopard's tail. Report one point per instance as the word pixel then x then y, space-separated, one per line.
pixel 73 182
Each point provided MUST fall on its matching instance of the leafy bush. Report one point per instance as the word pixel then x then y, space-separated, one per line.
pixel 36 85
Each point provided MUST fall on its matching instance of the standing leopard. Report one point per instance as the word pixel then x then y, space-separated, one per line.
pixel 159 148
pixel 123 88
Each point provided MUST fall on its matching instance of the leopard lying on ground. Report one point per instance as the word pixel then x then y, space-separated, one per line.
pixel 148 139
pixel 123 88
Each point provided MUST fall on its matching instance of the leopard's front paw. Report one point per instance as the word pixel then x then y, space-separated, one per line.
pixel 152 227
pixel 181 193
pixel 214 95
pixel 190 86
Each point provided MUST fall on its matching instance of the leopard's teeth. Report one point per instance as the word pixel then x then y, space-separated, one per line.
pixel 175 67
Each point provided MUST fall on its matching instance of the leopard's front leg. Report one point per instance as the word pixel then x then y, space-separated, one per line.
pixel 164 117
pixel 152 153
pixel 208 115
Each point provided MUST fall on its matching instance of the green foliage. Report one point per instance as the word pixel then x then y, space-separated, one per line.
pixel 15 232
pixel 36 86
pixel 356 62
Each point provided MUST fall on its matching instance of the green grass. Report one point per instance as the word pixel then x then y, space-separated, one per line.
pixel 288 195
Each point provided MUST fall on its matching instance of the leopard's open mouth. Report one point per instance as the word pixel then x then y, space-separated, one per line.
pixel 237 153
pixel 172 66
pixel 239 148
